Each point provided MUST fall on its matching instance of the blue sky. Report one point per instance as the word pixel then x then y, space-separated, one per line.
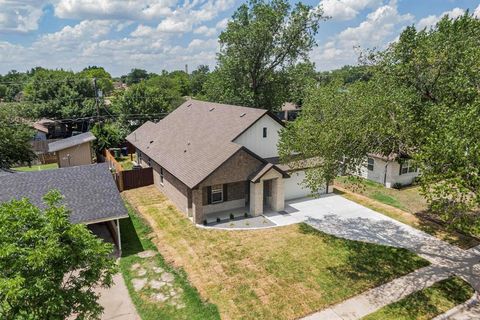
pixel 167 34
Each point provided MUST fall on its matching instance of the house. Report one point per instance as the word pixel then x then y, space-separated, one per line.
pixel 41 131
pixel 289 111
pixel 210 158
pixel 73 151
pixel 89 192
pixel 391 171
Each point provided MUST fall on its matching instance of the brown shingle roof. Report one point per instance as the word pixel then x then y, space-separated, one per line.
pixel 195 139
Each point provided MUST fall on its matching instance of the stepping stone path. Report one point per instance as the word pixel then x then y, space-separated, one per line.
pixel 159 283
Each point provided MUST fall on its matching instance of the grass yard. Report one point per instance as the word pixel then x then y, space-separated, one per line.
pixel 135 238
pixel 427 303
pixel 278 273
pixel 39 167
pixel 126 162
pixel 403 205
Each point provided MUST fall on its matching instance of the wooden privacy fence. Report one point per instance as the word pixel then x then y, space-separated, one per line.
pixel 128 179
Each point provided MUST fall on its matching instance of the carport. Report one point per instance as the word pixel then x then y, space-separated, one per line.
pixel 89 191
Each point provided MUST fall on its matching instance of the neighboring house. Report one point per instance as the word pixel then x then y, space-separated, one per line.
pixel 73 151
pixel 41 131
pixel 210 158
pixel 89 192
pixel 289 111
pixel 389 171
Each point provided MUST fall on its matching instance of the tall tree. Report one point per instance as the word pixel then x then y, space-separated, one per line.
pixel 263 39
pixel 135 76
pixel 198 79
pixel 422 101
pixel 49 267
pixel 15 137
pixel 104 79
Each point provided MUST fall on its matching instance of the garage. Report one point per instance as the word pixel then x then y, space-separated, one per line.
pixel 294 188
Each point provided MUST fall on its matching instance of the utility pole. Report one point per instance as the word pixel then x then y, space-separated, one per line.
pixel 96 97
pixel 186 68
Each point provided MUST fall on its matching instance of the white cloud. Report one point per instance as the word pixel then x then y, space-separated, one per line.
pixel 431 20
pixel 376 31
pixel 113 9
pixel 346 9
pixel 209 32
pixel 476 13
pixel 20 16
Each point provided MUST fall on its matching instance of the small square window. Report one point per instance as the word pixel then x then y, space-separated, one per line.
pixel 217 193
pixel 265 132
pixel 370 163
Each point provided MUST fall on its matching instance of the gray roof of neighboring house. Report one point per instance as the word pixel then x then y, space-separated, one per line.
pixel 71 142
pixel 196 138
pixel 89 191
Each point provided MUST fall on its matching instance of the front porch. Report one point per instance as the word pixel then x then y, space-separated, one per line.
pixel 238 218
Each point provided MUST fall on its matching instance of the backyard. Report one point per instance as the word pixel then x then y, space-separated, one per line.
pixel 37 167
pixel 406 205
pixel 279 273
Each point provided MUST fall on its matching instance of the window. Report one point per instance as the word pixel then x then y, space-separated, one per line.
pixel 161 176
pixel 370 163
pixel 217 194
pixel 264 132
pixel 407 167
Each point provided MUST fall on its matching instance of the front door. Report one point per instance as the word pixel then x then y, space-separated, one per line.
pixel 267 193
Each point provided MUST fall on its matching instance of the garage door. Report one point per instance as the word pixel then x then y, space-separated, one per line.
pixel 294 188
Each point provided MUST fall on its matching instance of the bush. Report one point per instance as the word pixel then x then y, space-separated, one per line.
pixel 205 222
pixel 397 185
pixel 218 219
pixel 232 216
pixel 246 215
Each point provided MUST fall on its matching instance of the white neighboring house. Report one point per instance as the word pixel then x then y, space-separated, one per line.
pixel 389 171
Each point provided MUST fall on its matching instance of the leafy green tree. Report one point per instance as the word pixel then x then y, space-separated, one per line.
pixel 13 83
pixel 60 94
pixel 109 135
pixel 422 100
pixel 136 76
pixel 15 137
pixel 48 266
pixel 104 79
pixel 260 42
pixel 198 79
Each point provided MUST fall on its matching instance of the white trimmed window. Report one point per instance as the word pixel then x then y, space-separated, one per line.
pixel 370 163
pixel 407 167
pixel 217 193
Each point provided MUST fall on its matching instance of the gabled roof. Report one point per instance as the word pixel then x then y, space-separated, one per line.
pixel 89 191
pixel 196 138
pixel 263 170
pixel 71 142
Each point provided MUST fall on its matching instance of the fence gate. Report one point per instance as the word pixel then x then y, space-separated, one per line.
pixel 137 178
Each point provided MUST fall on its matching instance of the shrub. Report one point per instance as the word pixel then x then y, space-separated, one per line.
pixel 397 185
pixel 246 215
pixel 218 219
pixel 205 222
pixel 232 216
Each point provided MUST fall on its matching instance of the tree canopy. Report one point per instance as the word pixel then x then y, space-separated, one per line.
pixel 15 136
pixel 262 41
pixel 50 271
pixel 421 100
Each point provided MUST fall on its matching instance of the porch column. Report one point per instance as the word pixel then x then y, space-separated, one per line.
pixel 278 195
pixel 256 198
pixel 197 206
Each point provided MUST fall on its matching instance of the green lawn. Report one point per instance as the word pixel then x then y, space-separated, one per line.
pixel 427 303
pixel 135 239
pixel 40 167
pixel 126 162
pixel 409 202
pixel 277 273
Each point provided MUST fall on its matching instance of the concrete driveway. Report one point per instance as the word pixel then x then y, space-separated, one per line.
pixel 333 214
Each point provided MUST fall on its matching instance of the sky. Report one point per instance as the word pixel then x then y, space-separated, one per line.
pixel 161 35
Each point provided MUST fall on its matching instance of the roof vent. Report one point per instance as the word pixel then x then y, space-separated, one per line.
pixel 188 143
pixel 242 115
pixel 151 141
pixel 184 151
pixel 189 105
pixel 211 109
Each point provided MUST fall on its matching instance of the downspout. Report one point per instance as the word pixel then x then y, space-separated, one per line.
pixel 385 175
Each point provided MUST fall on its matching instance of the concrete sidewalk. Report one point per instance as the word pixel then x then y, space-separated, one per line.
pixel 116 301
pixel 376 298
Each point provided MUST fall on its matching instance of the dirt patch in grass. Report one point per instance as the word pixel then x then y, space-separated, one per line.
pixel 405 205
pixel 278 273
pixel 427 303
